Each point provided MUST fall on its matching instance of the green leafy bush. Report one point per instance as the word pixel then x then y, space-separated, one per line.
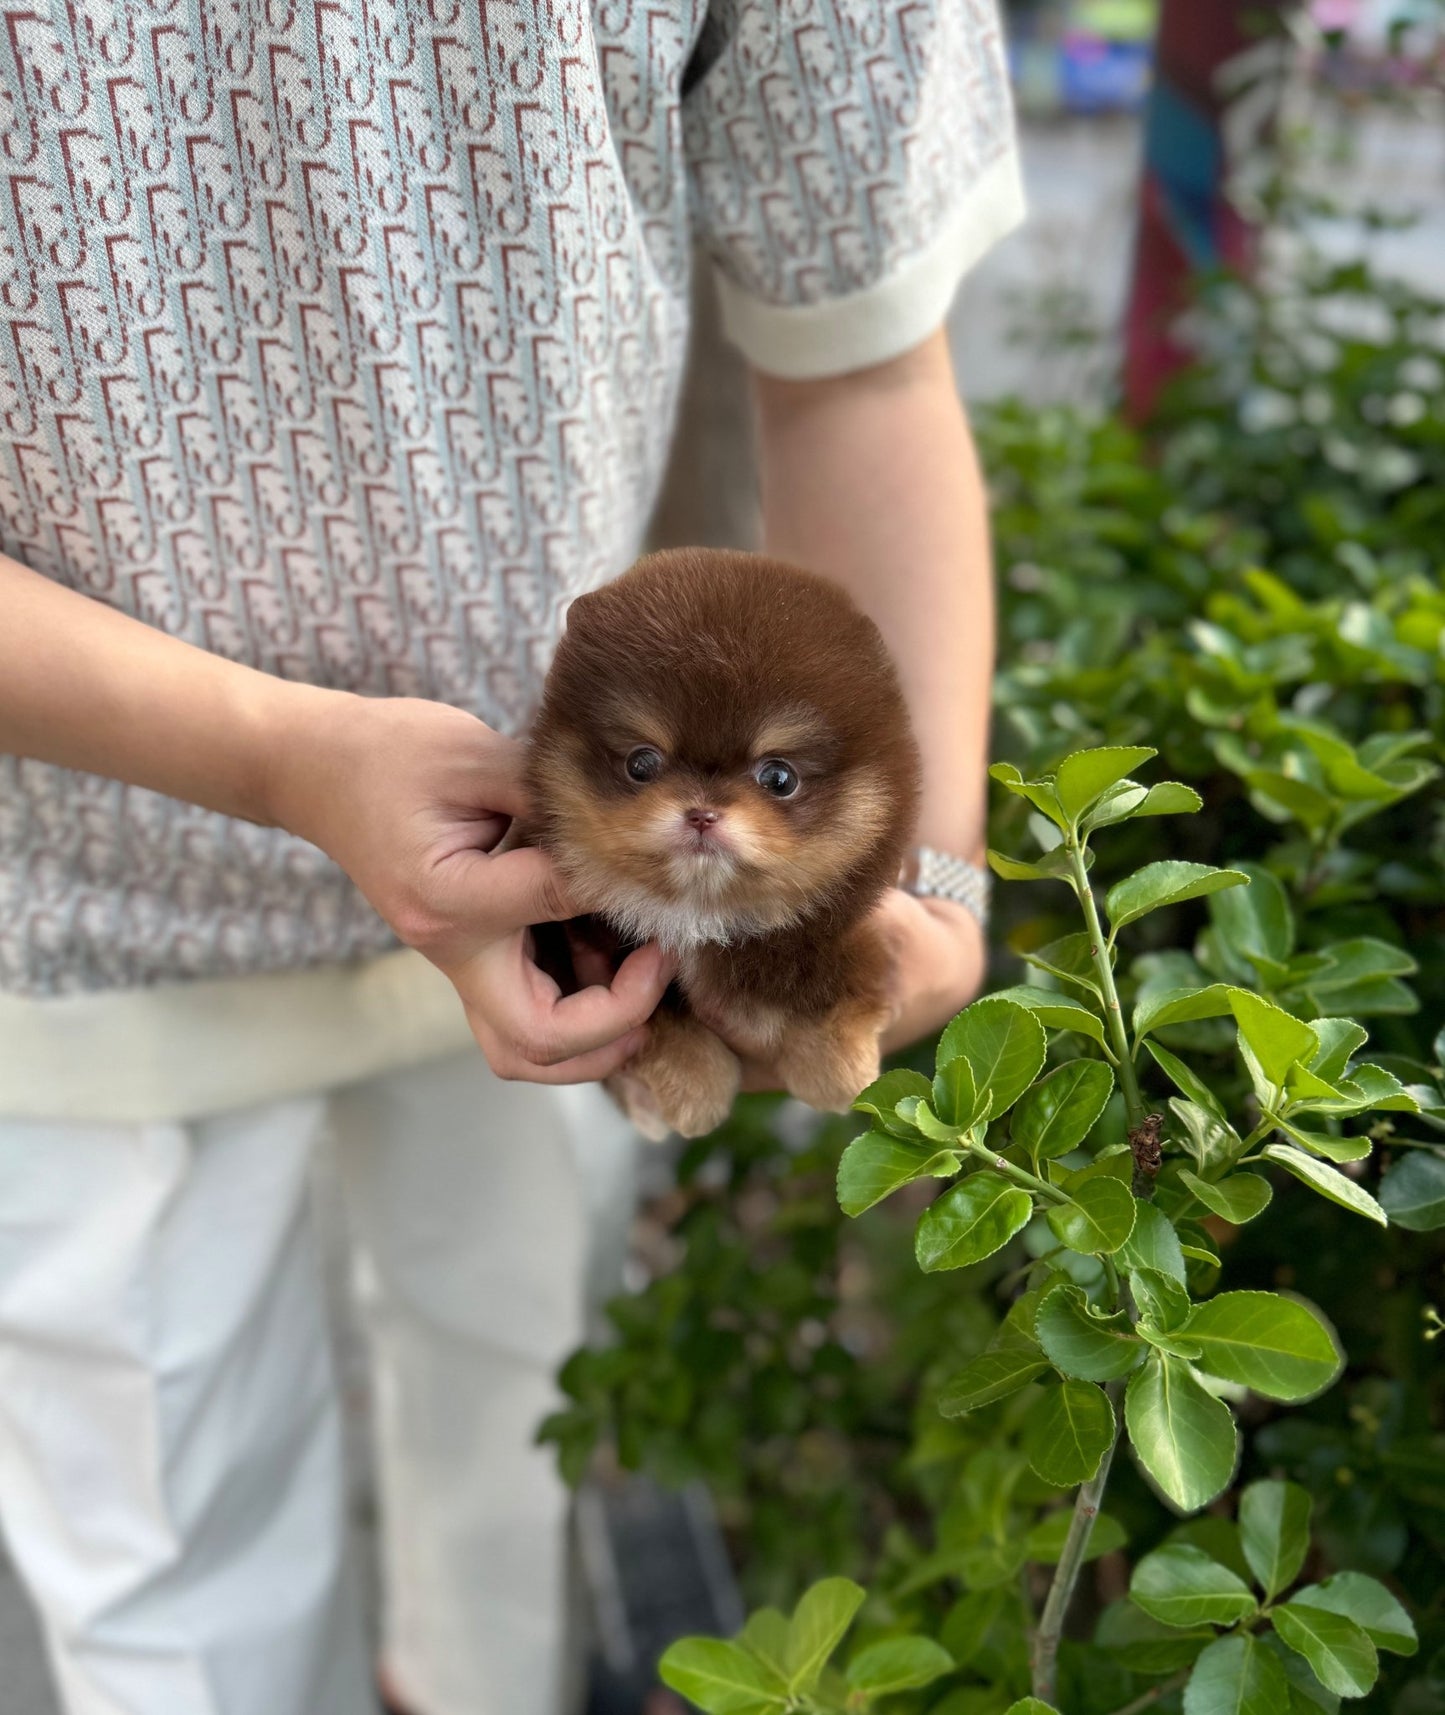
pixel 1118 1331
pixel 1256 594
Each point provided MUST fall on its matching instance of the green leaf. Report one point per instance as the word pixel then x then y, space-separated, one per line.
pixel 1342 1656
pixel 1052 866
pixel 1079 1343
pixel 873 1166
pixel 1213 1142
pixel 1169 798
pixel 970 1222
pixel 1184 1080
pixel 1236 1676
pixel 1144 1646
pixel 1412 1193
pixel 1004 1045
pixel 823 1614
pixel 1040 793
pixel 1351 962
pixel 1237 1199
pixel 992 1375
pixel 883 1095
pixel 1117 804
pixel 1371 1087
pixel 1045 1542
pixel 722 1678
pixel 1304 1085
pixel 1370 1605
pixel 1162 1301
pixel 1058 1112
pixel 1180 1006
pixel 955 1100
pixel 1306 1695
pixel 1306 803
pixel 766 1635
pixel 1115 1161
pixel 1326 1180
pixel 1097 1219
pixel 1255 919
pixel 928 1122
pixel 1184 1436
pixel 1274 1530
pixel 1153 1244
pixel 1165 1340
pixel 898 1664
pixel 1339 1039
pixel 1274 1345
pixel 1084 775
pixel 1182 1586
pixel 1168 882
pixel 969 1621
pixel 1324 1143
pixel 1069 959
pixel 1030 1706
pixel 1069 1434
pixel 1054 1010
pixel 1277 1038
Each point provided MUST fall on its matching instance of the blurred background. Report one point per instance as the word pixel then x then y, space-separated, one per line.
pixel 1276 176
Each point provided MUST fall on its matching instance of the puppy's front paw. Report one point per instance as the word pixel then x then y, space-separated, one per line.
pixel 827 1063
pixel 685 1080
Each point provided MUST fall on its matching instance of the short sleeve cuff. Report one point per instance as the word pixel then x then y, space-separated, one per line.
pixel 806 342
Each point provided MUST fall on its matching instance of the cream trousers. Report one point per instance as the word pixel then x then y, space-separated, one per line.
pixel 171 1481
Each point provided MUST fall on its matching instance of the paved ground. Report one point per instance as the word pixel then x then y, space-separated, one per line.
pixel 1069 264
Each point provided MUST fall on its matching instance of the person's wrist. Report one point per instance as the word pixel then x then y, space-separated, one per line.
pixel 301 739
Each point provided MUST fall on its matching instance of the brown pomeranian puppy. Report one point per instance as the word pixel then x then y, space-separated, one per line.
pixel 723 764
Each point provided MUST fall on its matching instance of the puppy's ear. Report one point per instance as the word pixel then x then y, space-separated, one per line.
pixel 582 612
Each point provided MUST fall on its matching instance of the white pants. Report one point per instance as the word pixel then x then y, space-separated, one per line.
pixel 171 1483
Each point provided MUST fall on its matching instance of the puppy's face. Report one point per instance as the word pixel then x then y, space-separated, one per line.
pixel 693 835
pixel 722 750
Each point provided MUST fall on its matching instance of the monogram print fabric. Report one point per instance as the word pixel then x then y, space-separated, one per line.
pixel 830 143
pixel 342 338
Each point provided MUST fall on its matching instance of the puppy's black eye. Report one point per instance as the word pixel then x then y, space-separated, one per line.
pixel 776 777
pixel 643 764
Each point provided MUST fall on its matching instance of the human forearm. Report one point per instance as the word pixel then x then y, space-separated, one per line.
pixel 90 688
pixel 872 479
pixel 409 797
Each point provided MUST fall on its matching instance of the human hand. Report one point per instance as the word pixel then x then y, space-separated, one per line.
pixel 410 798
pixel 940 958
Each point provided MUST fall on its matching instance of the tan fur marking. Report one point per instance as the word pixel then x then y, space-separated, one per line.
pixel 685 1080
pixel 825 1063
pixel 788 729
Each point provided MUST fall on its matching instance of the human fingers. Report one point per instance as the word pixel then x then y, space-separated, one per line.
pixel 538 1025
pixel 508 892
pixel 590 1068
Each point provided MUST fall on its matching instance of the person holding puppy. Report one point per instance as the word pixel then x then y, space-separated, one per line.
pixel 341 349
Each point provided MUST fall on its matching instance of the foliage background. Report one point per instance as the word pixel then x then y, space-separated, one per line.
pixel 1271 554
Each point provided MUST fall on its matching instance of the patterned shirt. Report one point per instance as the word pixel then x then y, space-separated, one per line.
pixel 342 338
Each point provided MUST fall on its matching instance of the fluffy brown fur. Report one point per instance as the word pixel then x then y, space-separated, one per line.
pixel 731 676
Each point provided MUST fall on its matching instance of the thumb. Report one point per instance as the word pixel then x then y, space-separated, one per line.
pixel 514 890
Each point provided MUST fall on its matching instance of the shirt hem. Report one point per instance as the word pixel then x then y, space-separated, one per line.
pixel 803 342
pixel 186 1051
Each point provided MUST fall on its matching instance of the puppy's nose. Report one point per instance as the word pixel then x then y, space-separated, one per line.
pixel 701 819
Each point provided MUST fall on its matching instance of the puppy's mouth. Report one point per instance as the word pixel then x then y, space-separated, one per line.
pixel 702 851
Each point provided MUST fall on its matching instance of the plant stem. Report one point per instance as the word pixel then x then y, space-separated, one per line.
pixel 1071 1561
pixel 1113 1015
pixel 1019 1175
pixel 1155 1695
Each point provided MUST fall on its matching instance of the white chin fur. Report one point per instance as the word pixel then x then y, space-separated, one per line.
pixel 680 926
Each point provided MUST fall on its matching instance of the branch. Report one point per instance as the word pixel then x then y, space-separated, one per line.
pixel 1071 1561
pixel 1155 1695
pixel 1113 1013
